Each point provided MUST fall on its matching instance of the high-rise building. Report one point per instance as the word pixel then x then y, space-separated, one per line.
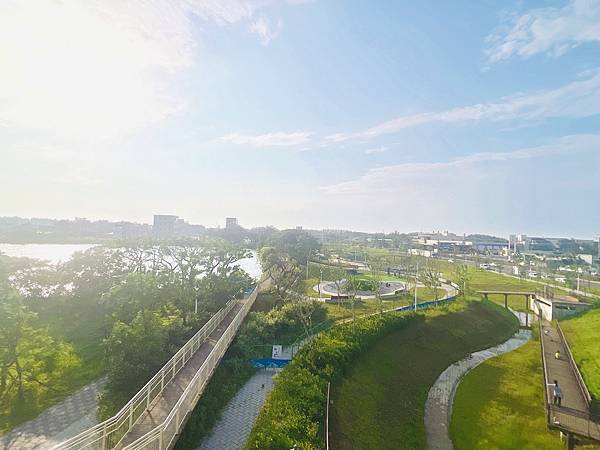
pixel 231 222
pixel 164 226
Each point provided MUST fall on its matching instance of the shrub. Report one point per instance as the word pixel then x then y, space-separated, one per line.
pixel 294 412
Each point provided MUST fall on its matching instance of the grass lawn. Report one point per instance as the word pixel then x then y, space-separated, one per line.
pixel 499 404
pixel 380 403
pixel 583 334
pixel 343 311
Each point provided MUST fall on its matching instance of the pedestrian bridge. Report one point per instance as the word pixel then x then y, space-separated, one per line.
pixel 155 416
pixel 573 417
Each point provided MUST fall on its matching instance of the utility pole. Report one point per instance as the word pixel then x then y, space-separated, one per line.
pixel 320 281
pixel 416 282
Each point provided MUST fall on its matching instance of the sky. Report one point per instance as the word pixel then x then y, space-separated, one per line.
pixel 373 116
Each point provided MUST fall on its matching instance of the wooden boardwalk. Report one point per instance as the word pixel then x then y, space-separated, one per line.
pixel 573 416
pixel 164 403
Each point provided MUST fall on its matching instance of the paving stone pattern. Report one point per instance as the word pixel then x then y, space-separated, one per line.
pixel 438 408
pixel 59 422
pixel 232 431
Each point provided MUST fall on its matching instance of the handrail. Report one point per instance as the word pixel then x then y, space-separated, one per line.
pixel 544 371
pixel 109 433
pixel 580 382
pixel 164 435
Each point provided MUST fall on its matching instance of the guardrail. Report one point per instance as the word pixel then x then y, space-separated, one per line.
pixel 580 382
pixel 108 434
pixel 164 435
pixel 574 421
pixel 544 372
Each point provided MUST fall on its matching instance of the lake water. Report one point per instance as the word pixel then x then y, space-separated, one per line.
pixel 53 253
pixel 56 253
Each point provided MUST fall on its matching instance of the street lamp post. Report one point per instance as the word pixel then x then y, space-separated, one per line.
pixel 416 283
pixel 320 281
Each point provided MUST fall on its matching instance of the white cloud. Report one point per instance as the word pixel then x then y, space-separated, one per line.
pixel 552 31
pixel 102 68
pixel 579 98
pixel 269 139
pixel 420 178
pixel 88 69
pixel 265 30
pixel 370 151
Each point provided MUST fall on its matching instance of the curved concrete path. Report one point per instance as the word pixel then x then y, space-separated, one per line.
pixel 438 407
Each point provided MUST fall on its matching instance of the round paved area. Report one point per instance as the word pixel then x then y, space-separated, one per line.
pixel 387 288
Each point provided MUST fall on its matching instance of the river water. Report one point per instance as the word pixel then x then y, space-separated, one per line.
pixel 54 253
pixel 60 253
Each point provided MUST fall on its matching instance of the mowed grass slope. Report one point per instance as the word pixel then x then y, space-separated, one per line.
pixel 380 403
pixel 583 335
pixel 500 404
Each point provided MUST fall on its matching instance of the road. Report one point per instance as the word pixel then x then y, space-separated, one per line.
pixel 506 270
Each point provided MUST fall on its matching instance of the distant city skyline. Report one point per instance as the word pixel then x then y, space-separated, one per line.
pixel 190 223
pixel 344 114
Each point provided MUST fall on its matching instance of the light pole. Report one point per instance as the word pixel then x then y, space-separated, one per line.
pixel 416 283
pixel 320 281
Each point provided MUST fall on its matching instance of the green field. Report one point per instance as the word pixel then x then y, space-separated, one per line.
pixel 380 403
pixel 499 404
pixel 583 334
pixel 343 310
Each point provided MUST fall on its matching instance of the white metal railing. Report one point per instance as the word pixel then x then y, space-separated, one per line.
pixel 164 435
pixel 108 434
pixel 582 386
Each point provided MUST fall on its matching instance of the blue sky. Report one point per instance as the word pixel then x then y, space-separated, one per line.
pixel 375 116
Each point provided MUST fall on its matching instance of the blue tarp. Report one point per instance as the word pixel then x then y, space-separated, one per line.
pixel 269 362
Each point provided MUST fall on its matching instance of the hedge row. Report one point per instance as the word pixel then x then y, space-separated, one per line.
pixel 294 413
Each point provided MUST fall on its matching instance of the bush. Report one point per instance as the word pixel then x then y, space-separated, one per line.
pixel 295 410
pixel 259 331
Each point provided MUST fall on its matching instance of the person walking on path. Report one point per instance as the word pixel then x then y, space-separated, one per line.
pixel 557 393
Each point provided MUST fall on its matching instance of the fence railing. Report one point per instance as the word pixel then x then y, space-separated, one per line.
pixel 544 371
pixel 108 434
pixel 164 435
pixel 572 420
pixel 573 364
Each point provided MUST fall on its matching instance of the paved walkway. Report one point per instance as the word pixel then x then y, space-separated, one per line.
pixel 573 415
pixel 232 431
pixel 438 408
pixel 68 418
pixel 164 403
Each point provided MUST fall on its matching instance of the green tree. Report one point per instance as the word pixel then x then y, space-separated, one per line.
pixel 285 274
pixel 462 277
pixel 32 362
pixel 431 279
pixel 134 353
